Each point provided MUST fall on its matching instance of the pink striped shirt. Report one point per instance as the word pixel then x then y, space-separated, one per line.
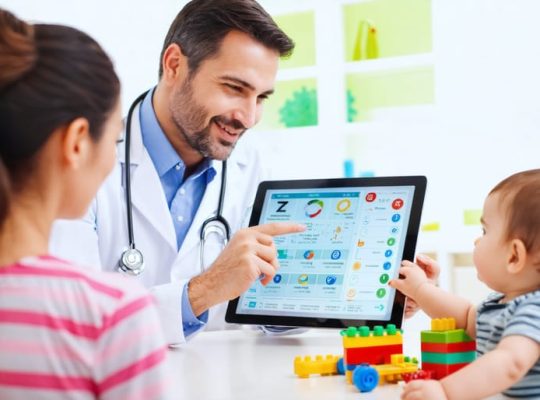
pixel 72 333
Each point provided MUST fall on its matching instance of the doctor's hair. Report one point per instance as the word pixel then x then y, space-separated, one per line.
pixel 519 196
pixel 201 26
pixel 49 76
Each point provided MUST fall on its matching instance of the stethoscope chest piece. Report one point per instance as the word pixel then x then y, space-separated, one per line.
pixel 131 262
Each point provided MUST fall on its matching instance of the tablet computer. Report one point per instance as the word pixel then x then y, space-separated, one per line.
pixel 335 274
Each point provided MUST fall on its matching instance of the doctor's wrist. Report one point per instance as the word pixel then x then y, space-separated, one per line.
pixel 199 294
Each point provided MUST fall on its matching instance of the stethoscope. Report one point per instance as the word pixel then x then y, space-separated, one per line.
pixel 132 261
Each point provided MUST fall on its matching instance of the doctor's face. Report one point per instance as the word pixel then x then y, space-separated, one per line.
pixel 215 105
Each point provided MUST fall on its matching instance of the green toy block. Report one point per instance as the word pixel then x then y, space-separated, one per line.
pixel 448 358
pixel 364 331
pixel 453 336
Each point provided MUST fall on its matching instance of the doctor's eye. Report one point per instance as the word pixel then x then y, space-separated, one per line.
pixel 262 98
pixel 234 88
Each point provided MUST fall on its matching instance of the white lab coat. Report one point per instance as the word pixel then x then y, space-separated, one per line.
pixel 100 238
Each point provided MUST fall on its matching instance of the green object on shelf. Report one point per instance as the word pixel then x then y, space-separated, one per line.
pixel 403 27
pixel 366 46
pixel 284 91
pixel 351 110
pixel 301 109
pixel 301 28
pixel 472 217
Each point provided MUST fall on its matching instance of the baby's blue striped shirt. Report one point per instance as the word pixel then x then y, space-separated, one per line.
pixel 520 317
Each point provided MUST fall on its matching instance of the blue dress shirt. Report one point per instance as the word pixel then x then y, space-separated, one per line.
pixel 184 195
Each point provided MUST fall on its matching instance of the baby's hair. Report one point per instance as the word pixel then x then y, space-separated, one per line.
pixel 520 197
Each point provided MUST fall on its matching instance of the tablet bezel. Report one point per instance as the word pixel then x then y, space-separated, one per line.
pixel 419 183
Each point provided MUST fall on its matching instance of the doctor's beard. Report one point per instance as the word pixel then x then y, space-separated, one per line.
pixel 189 116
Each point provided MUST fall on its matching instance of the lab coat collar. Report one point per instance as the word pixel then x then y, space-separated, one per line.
pixel 149 199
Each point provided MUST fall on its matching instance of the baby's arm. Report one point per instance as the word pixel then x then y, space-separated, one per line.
pixel 433 300
pixel 492 373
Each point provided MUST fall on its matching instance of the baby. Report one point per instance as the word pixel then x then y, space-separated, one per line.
pixel 506 325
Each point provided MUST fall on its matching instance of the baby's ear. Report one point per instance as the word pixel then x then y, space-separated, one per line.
pixel 517 256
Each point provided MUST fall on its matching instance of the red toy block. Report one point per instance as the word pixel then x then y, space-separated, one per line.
pixel 439 371
pixel 372 355
pixel 448 347
pixel 420 374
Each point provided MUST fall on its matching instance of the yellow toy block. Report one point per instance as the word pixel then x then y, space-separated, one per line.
pixel 365 337
pixel 443 324
pixel 305 366
pixel 392 372
pixel 372 341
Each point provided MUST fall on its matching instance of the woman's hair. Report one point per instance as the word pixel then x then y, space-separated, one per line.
pixel 520 197
pixel 49 76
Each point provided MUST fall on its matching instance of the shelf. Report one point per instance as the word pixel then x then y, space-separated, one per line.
pixel 390 63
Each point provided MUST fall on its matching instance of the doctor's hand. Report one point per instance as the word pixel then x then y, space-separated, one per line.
pixel 250 254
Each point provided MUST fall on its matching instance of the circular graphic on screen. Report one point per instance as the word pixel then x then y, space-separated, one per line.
pixel 303 279
pixel 343 205
pixel 309 254
pixel 313 208
pixel 397 204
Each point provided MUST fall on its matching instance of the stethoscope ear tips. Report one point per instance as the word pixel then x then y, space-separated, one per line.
pixel 131 262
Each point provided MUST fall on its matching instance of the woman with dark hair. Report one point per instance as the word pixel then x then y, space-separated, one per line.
pixel 65 331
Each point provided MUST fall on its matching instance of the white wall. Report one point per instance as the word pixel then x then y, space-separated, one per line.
pixel 484 124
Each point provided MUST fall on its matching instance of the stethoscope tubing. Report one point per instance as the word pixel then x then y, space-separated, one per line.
pixel 137 269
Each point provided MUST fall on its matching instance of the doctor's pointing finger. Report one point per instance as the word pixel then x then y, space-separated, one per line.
pixel 250 254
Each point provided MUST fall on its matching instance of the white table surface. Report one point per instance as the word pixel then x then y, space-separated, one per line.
pixel 244 364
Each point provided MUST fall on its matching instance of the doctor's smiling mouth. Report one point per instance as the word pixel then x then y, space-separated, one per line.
pixel 231 130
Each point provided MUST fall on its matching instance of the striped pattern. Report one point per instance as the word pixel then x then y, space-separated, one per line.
pixel 71 333
pixel 517 317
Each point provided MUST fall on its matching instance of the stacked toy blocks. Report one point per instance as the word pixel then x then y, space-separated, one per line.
pixel 306 366
pixel 446 349
pixel 399 365
pixel 362 345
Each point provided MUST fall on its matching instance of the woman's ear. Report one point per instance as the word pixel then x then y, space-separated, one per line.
pixel 518 256
pixel 76 143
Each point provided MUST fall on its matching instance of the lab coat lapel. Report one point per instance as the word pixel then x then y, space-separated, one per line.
pixel 147 194
pixel 207 208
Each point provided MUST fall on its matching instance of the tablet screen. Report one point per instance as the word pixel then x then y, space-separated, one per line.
pixel 340 266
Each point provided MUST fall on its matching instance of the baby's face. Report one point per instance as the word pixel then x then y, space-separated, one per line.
pixel 491 250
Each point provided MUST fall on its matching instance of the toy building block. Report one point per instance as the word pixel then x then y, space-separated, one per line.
pixel 364 337
pixel 446 349
pixel 306 366
pixel 366 377
pixel 362 345
pixel 399 364
pixel 413 376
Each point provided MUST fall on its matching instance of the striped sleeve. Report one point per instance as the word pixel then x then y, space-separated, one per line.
pixel 130 361
pixel 524 321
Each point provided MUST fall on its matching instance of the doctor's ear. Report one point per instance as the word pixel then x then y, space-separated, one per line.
pixel 175 63
pixel 76 143
pixel 517 256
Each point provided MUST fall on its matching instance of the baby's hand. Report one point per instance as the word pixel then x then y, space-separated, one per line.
pixel 413 278
pixel 420 390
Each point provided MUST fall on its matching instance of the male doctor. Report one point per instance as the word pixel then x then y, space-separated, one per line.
pixel 217 67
